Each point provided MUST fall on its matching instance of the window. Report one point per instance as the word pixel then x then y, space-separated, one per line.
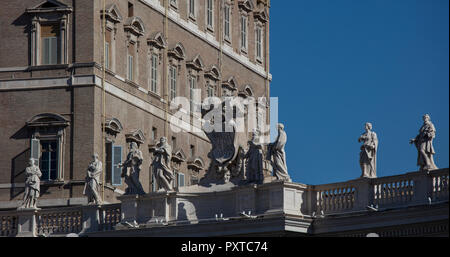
pixel 192 8
pixel 130 9
pixel 47 144
pixel 180 180
pixel 154 73
pixel 259 40
pixel 226 29
pixel 50 44
pixel 210 14
pixel 49 160
pixel 192 151
pixel 154 133
pixel 192 87
pixel 48 33
pixel 113 158
pixel 174 142
pixel 211 91
pixel 174 3
pixel 244 33
pixel 173 82
pixel 130 68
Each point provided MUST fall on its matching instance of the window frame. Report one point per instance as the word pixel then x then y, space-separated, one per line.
pixel 210 7
pixel 172 82
pixel 154 65
pixel 227 13
pixel 244 33
pixel 130 67
pixel 259 55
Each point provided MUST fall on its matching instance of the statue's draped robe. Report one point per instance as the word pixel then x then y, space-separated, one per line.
pixel 424 145
pixel 93 181
pixel 162 168
pixel 254 162
pixel 132 168
pixel 32 185
pixel 279 157
pixel 368 155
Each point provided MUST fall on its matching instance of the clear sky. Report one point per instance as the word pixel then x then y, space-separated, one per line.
pixel 337 64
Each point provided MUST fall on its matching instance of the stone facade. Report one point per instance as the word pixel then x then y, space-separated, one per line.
pixel 62 101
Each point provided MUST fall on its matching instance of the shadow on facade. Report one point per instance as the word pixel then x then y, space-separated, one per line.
pixel 24 21
pixel 18 166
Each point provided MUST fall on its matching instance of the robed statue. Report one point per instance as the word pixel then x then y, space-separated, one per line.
pixel 368 154
pixel 32 185
pixel 92 181
pixel 424 145
pixel 278 156
pixel 161 166
pixel 131 169
pixel 255 158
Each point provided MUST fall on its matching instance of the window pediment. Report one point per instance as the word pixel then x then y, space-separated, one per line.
pixel 113 125
pixel 135 136
pixel 47 119
pixel 196 63
pixel 213 73
pixel 50 6
pixel 135 25
pixel 178 52
pixel 196 164
pixel 261 15
pixel 157 40
pixel 246 92
pixel 230 83
pixel 178 156
pixel 246 5
pixel 112 13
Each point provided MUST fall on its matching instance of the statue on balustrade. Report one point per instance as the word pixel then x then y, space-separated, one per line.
pixel 32 185
pixel 131 169
pixel 254 158
pixel 91 186
pixel 368 154
pixel 161 166
pixel 424 145
pixel 278 155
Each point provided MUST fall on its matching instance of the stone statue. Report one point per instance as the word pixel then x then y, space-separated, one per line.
pixel 368 154
pixel 161 166
pixel 91 186
pixel 254 158
pixel 424 145
pixel 32 185
pixel 131 169
pixel 278 155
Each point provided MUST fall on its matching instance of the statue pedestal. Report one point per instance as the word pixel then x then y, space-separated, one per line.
pixel 129 209
pixel 91 218
pixel 196 204
pixel 26 226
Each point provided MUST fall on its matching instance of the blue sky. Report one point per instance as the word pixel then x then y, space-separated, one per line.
pixel 337 64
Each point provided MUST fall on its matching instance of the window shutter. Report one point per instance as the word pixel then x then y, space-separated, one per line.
pixel 116 170
pixel 35 150
pixel 53 50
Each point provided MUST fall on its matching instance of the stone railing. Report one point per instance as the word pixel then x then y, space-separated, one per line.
pixel 249 201
pixel 110 215
pixel 8 223
pixel 385 192
pixel 335 198
pixel 59 221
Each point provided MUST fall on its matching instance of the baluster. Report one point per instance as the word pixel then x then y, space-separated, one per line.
pixel 402 198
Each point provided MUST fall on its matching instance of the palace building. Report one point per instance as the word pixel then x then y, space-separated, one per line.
pixel 86 77
pixel 83 77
